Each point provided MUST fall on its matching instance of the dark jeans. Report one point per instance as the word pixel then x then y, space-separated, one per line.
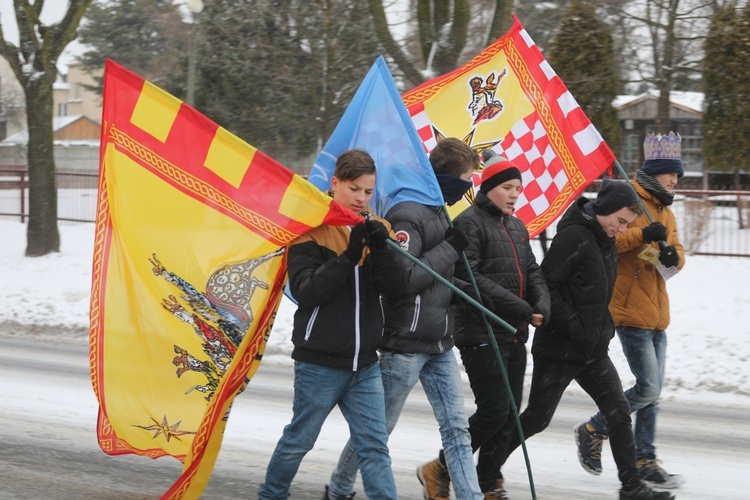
pixel 493 422
pixel 601 381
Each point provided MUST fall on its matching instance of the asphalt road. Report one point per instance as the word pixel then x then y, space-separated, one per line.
pixel 48 447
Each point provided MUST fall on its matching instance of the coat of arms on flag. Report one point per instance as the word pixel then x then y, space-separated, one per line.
pixel 508 98
pixel 189 267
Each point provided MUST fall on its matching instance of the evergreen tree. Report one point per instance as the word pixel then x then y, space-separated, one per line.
pixel 279 74
pixel 726 138
pixel 146 36
pixel 582 54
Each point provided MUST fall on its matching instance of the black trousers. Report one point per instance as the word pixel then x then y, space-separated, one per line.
pixel 492 423
pixel 601 381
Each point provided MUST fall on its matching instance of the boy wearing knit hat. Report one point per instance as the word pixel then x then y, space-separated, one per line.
pixel 640 308
pixel 509 282
pixel 580 269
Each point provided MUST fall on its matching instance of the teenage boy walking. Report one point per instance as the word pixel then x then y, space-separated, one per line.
pixel 337 280
pixel 417 342
pixel 510 281
pixel 580 269
pixel 640 308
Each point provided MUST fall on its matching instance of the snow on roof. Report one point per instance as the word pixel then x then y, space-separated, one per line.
pixel 692 101
pixel 58 122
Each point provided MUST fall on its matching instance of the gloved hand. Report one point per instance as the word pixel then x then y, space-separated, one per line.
pixel 378 234
pixel 356 243
pixel 654 232
pixel 456 239
pixel 669 256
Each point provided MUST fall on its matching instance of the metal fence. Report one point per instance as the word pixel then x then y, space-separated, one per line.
pixel 76 194
pixel 710 222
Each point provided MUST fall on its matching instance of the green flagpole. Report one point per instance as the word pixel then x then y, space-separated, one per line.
pixel 499 357
pixel 486 314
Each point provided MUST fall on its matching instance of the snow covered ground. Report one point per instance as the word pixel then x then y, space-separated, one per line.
pixel 709 338
pixel 707 365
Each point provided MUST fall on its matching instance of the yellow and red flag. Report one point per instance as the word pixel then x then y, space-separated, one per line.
pixel 508 98
pixel 188 271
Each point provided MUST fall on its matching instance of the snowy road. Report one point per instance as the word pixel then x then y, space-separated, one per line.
pixel 48 445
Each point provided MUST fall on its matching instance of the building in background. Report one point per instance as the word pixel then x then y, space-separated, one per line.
pixel 76 124
pixel 637 115
pixel 73 95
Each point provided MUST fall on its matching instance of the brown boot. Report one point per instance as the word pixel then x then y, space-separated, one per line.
pixel 435 479
pixel 497 492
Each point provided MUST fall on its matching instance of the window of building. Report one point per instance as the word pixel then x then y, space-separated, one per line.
pixel 631 145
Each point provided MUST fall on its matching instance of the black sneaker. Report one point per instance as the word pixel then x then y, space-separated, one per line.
pixel 589 448
pixel 644 492
pixel 329 496
pixel 650 471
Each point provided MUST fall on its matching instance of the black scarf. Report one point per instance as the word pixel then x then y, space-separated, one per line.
pixel 652 186
pixel 452 187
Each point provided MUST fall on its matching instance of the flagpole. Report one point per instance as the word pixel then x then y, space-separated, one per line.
pixel 486 314
pixel 499 357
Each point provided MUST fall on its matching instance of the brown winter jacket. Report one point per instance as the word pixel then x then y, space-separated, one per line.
pixel 640 298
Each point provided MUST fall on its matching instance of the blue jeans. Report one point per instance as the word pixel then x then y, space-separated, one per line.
pixel 646 352
pixel 359 395
pixel 441 381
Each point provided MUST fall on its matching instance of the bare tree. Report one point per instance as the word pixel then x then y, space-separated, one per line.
pixel 663 49
pixel 34 63
pixel 442 28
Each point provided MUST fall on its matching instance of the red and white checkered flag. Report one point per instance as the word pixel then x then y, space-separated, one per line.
pixel 509 99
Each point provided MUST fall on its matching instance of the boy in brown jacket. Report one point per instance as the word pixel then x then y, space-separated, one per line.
pixel 640 308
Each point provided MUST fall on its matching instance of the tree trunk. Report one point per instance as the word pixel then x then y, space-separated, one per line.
pixel 42 234
pixel 740 200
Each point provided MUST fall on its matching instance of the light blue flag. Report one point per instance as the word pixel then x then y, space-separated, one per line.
pixel 377 121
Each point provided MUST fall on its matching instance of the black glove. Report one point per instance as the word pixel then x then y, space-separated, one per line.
pixel 669 256
pixel 356 243
pixel 654 232
pixel 378 234
pixel 456 239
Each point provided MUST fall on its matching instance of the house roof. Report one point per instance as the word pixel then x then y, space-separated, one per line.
pixel 58 123
pixel 689 101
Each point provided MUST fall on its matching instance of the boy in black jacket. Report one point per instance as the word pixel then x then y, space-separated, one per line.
pixel 512 283
pixel 417 339
pixel 338 326
pixel 580 269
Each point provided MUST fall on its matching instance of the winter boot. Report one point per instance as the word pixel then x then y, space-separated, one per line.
pixel 650 471
pixel 435 480
pixel 330 496
pixel 497 492
pixel 643 492
pixel 589 448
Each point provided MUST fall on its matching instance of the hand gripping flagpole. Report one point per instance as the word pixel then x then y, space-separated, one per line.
pixel 486 314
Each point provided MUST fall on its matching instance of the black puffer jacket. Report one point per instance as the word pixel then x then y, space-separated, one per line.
pixel 580 269
pixel 332 293
pixel 505 270
pixel 419 319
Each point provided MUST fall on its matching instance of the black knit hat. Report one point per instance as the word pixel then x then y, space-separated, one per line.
pixel 613 196
pixel 497 169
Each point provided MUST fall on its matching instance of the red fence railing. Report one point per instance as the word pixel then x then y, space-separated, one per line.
pixel 710 222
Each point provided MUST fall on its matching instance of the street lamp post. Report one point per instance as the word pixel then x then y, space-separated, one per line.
pixel 195 7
